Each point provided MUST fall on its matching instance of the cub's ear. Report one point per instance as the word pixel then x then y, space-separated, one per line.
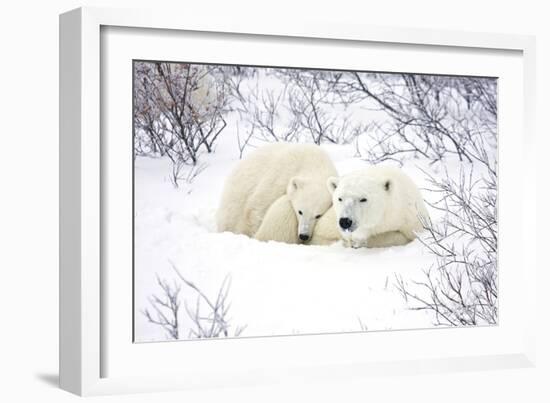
pixel 294 184
pixel 332 183
pixel 387 185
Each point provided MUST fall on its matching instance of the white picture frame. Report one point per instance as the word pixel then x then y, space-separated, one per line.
pixel 85 345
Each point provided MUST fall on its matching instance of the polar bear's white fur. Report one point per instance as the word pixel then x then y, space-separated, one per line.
pixel 398 207
pixel 327 232
pixel 378 203
pixel 297 171
pixel 280 223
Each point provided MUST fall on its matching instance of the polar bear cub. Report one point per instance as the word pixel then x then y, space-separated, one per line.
pixel 377 202
pixel 278 174
pixel 280 223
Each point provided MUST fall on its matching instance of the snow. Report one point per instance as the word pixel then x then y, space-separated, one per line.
pixel 276 289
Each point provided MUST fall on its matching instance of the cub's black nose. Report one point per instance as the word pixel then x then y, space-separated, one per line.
pixel 304 237
pixel 345 223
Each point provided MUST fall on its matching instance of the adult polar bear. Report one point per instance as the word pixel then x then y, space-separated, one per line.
pixel 291 174
pixel 375 207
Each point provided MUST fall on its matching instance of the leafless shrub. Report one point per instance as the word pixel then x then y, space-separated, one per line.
pixel 234 81
pixel 314 104
pixel 301 107
pixel 307 101
pixel 183 173
pixel 263 110
pixel 243 141
pixel 362 326
pixel 165 309
pixel 207 318
pixel 462 287
pixel 268 117
pixel 430 116
pixel 210 317
pixel 178 110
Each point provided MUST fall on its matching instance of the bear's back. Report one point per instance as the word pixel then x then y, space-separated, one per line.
pixel 262 177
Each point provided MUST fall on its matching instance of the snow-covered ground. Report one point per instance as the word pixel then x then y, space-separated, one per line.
pixel 280 289
pixel 276 289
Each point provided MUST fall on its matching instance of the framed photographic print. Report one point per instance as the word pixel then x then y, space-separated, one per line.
pixel 242 204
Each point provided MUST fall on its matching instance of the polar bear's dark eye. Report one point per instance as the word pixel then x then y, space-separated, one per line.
pixel 300 212
pixel 363 200
pixel 339 199
pixel 318 216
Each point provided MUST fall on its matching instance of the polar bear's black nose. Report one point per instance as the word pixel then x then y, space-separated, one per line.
pixel 345 223
pixel 304 237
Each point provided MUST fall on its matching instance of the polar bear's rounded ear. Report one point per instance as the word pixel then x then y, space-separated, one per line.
pixel 332 183
pixel 387 185
pixel 293 185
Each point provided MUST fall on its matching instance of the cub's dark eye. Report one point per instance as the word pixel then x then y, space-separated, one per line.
pixel 363 200
pixel 318 216
pixel 339 199
pixel 300 212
